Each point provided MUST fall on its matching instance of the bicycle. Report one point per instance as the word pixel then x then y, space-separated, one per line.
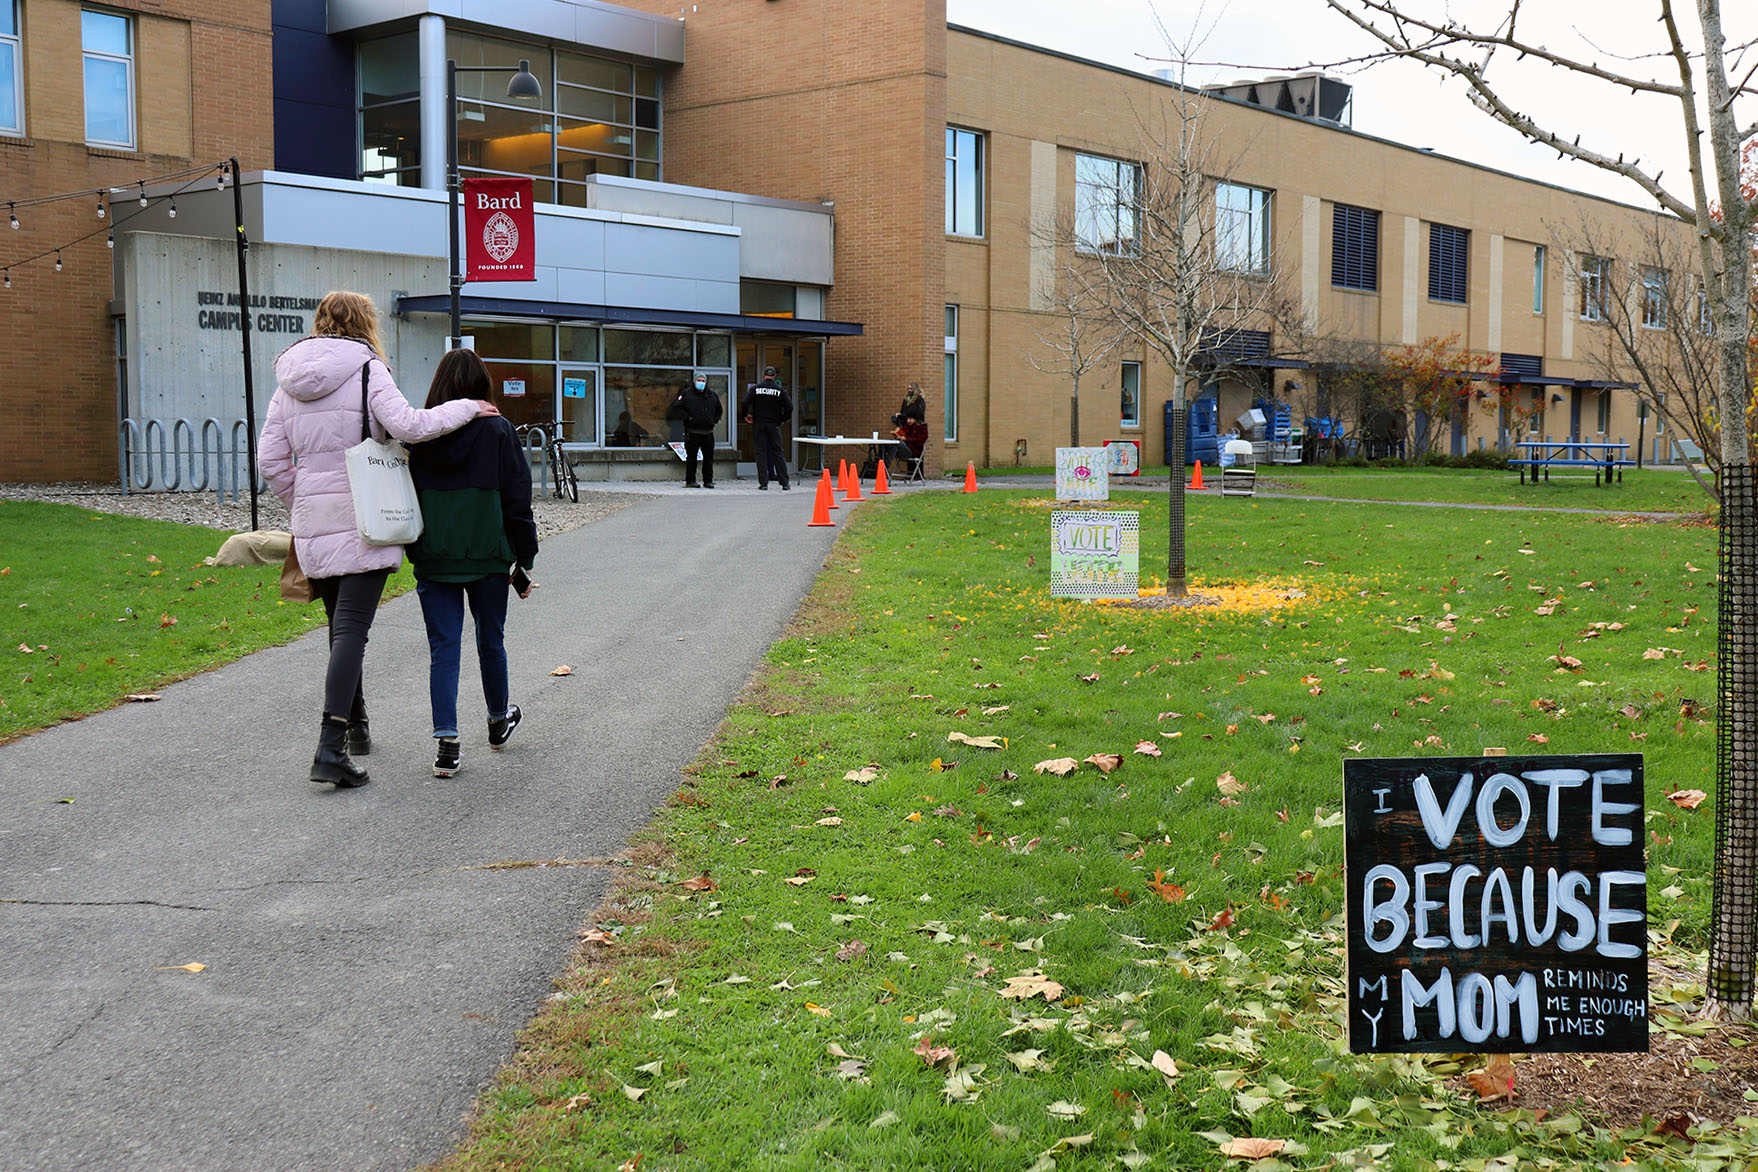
pixel 567 485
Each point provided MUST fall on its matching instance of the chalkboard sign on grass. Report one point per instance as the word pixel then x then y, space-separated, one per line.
pixel 1496 904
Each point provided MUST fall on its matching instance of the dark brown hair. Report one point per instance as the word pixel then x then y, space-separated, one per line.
pixel 459 375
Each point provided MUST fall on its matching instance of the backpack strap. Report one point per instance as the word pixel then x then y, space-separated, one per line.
pixel 365 407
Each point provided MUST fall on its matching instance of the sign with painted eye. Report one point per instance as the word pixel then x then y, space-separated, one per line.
pixel 1496 904
pixel 1083 474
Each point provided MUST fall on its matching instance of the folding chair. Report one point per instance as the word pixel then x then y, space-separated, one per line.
pixel 1239 477
pixel 915 471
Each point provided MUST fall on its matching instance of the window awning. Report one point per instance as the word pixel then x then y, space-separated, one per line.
pixel 1510 379
pixel 738 323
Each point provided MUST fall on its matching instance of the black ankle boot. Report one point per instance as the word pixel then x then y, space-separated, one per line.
pixel 359 737
pixel 331 766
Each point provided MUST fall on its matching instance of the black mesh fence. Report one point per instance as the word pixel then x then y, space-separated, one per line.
pixel 1734 934
pixel 1175 570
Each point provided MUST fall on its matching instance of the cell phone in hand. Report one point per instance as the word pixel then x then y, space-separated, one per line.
pixel 521 581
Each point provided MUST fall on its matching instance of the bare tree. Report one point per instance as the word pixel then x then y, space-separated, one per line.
pixel 1176 274
pixel 1085 330
pixel 1715 97
pixel 1659 333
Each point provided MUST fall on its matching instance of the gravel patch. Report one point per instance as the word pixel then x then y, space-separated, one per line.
pixel 202 508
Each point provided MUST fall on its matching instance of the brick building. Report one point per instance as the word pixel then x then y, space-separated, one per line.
pixel 98 97
pixel 735 184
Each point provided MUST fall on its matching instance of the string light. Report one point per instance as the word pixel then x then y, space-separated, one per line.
pixel 102 211
pixel 8 274
pixel 221 182
pixel 143 200
pixel 111 242
pixel 14 217
pixel 173 209
pixel 57 260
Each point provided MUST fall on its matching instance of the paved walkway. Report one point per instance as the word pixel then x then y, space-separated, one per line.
pixel 364 976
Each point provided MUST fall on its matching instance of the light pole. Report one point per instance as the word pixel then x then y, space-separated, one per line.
pixel 523 85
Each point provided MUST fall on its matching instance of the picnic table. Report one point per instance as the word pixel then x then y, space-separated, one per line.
pixel 1543 455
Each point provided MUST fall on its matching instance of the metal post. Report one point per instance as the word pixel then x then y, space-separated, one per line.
pixel 243 242
pixel 454 188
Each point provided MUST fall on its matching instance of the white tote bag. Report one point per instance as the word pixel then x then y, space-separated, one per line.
pixel 386 509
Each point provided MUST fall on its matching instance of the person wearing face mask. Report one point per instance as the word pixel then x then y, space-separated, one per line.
pixel 766 407
pixel 699 409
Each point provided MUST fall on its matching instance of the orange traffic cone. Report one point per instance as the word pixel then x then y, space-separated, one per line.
pixel 970 477
pixel 1196 481
pixel 854 484
pixel 823 504
pixel 842 477
pixel 881 483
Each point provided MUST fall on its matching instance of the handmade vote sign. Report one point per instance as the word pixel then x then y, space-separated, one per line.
pixel 1496 904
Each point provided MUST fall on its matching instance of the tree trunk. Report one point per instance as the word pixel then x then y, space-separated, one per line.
pixel 1074 414
pixel 1176 586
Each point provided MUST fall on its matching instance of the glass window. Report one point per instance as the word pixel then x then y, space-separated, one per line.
pixel 768 299
pixel 951 374
pixel 524 391
pixel 1107 204
pixel 108 41
pixel 1131 379
pixel 579 344
pixel 1654 297
pixel 390 69
pixel 964 182
pixel 1449 263
pixel 1603 415
pixel 1538 278
pixel 1595 286
pixel 11 73
pixel 1242 228
pixel 650 348
pixel 390 143
pixel 512 340
pixel 713 350
pixel 583 124
pixel 1355 248
pixel 636 398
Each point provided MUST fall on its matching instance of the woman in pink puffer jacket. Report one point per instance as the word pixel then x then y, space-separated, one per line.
pixel 314 418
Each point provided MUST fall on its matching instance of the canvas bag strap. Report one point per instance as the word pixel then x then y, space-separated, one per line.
pixel 365 407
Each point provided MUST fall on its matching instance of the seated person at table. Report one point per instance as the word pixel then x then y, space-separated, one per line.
pixel 911 433
pixel 627 433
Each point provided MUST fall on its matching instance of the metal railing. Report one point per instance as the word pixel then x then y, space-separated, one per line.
pixel 155 455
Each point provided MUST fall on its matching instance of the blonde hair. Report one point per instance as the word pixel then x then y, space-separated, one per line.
pixel 348 315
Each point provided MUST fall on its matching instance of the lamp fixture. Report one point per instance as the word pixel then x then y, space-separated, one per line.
pixel 7 273
pixel 102 210
pixel 13 216
pixel 221 181
pixel 57 260
pixel 111 242
pixel 143 199
pixel 524 84
pixel 173 209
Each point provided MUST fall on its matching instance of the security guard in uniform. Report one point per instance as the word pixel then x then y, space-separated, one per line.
pixel 766 407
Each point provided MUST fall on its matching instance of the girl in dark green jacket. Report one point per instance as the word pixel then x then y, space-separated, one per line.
pixel 475 490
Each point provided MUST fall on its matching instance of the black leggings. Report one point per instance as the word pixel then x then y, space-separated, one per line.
pixel 350 601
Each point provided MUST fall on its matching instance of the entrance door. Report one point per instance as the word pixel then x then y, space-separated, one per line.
pixel 753 355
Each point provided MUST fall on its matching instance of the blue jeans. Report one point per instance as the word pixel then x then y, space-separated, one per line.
pixel 442 608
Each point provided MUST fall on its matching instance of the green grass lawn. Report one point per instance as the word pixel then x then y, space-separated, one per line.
pixel 811 961
pixel 99 607
pixel 1666 490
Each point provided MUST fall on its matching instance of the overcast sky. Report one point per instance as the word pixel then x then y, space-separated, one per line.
pixel 1402 101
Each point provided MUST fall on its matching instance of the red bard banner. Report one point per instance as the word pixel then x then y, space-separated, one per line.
pixel 500 235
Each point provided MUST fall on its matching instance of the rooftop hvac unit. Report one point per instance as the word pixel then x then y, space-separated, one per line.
pixel 1305 95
